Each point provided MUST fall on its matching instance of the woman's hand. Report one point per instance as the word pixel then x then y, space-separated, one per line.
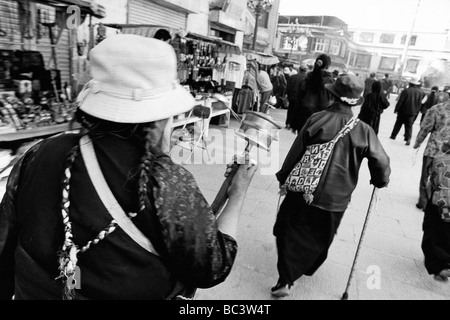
pixel 244 175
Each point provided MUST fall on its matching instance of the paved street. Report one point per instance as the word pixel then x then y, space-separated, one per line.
pixel 391 245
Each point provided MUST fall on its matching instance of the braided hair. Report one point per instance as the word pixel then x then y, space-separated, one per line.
pixel 145 133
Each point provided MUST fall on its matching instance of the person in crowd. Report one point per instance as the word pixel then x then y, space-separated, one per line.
pixel 107 205
pixel 436 223
pixel 265 88
pixel 163 35
pixel 335 75
pixel 304 233
pixel 289 76
pixel 432 100
pixel 293 91
pixel 279 84
pixel 442 97
pixel 249 94
pixel 374 105
pixel 436 124
pixel 407 109
pixel 312 95
pixel 368 83
pixel 387 86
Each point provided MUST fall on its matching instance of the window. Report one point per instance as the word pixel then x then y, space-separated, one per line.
pixel 359 60
pixel 388 63
pixel 290 43
pixel 412 65
pixel 321 45
pixel 363 61
pixel 343 50
pixel 412 41
pixel 335 47
pixel 387 38
pixel 366 37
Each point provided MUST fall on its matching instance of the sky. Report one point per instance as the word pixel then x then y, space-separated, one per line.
pixel 393 15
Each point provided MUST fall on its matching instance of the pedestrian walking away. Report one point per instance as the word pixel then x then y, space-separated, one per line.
pixel 312 95
pixel 387 86
pixel 432 100
pixel 305 230
pixel 436 124
pixel 436 224
pixel 266 89
pixel 293 93
pixel 374 105
pixel 105 214
pixel 368 84
pixel 408 108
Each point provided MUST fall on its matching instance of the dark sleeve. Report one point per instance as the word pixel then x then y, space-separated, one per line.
pixel 8 233
pixel 378 161
pixel 385 102
pixel 400 101
pixel 197 252
pixel 294 155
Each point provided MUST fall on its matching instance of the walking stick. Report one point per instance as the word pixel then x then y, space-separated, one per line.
pixel 369 211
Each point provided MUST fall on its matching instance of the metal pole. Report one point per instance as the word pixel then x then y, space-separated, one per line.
pixel 255 35
pixel 408 39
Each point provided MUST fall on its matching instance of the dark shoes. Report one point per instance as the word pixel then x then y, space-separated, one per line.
pixel 280 290
pixel 408 143
pixel 443 276
pixel 419 206
pixel 392 138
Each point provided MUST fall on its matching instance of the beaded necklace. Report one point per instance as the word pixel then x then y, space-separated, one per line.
pixel 68 256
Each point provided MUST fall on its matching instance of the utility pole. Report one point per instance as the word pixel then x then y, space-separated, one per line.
pixel 407 44
pixel 258 7
pixel 255 34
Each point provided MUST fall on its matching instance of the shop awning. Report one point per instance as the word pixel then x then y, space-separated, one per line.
pixel 145 30
pixel 262 58
pixel 227 47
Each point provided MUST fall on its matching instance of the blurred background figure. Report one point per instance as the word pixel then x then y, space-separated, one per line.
pixel 374 105
pixel 312 96
pixel 408 108
pixel 368 84
pixel 265 88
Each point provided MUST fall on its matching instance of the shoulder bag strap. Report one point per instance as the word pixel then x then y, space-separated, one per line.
pixel 107 197
pixel 351 124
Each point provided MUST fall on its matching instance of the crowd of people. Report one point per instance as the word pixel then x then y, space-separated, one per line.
pixel 110 204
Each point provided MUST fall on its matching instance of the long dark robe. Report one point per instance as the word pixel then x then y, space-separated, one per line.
pixel 304 235
pixel 374 105
pixel 312 97
pixel 435 241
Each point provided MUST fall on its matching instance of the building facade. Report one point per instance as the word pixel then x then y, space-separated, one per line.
pixel 427 55
pixel 303 38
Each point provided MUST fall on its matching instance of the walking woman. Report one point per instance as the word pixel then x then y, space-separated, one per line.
pixel 436 224
pixel 374 104
pixel 107 207
pixel 304 232
pixel 312 95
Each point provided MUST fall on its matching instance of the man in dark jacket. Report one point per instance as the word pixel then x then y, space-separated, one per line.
pixel 408 108
pixel 368 84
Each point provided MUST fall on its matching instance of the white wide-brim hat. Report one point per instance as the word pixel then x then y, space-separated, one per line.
pixel 415 81
pixel 134 80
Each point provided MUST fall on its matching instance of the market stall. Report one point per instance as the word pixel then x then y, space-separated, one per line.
pixel 206 65
pixel 36 95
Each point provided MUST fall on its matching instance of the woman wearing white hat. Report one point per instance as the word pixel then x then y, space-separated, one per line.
pixel 106 214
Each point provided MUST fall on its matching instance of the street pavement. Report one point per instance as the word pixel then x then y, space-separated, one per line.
pixel 390 264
